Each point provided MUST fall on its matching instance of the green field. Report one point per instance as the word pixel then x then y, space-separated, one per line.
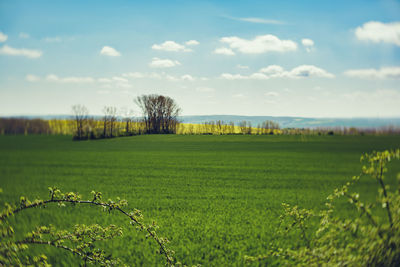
pixel 217 198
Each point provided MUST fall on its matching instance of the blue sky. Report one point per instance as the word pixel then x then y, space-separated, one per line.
pixel 279 58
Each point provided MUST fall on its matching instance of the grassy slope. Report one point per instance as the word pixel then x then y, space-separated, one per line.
pixel 216 197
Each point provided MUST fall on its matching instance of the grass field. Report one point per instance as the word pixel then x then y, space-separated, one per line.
pixel 217 198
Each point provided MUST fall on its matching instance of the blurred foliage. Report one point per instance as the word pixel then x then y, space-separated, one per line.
pixel 127 126
pixel 81 241
pixel 366 240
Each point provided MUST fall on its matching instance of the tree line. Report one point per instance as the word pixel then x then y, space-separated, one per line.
pixel 160 115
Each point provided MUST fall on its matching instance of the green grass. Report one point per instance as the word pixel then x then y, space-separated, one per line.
pixel 217 198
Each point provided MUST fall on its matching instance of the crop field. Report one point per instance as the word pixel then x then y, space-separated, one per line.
pixel 217 198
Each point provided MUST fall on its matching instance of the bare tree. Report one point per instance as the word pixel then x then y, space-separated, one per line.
pixel 245 127
pixel 160 113
pixel 269 126
pixel 231 127
pixel 109 118
pixel 127 117
pixel 81 114
pixel 113 119
pixel 219 125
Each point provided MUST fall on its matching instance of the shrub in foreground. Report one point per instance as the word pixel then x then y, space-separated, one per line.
pixel 372 238
pixel 80 241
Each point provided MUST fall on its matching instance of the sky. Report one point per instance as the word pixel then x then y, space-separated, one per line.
pixel 267 58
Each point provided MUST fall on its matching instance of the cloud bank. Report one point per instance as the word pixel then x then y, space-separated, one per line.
pixel 276 71
pixel 378 32
pixel 11 51
pixel 382 73
pixel 172 46
pixel 163 63
pixel 260 44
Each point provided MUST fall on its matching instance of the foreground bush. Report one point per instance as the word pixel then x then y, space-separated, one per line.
pixel 370 239
pixel 80 241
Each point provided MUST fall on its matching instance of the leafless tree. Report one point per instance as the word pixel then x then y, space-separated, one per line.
pixel 81 114
pixel 231 127
pixel 218 125
pixel 269 126
pixel 245 127
pixel 160 113
pixel 127 117
pixel 109 119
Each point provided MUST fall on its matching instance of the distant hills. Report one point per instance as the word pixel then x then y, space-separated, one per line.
pixel 284 122
pixel 299 122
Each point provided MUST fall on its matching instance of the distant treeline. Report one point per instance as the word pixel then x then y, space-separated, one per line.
pixel 159 116
pixel 24 126
pixel 110 126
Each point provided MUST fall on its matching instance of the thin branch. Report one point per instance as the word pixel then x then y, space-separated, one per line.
pixel 132 218
pixel 52 243
pixel 379 178
pixel 374 223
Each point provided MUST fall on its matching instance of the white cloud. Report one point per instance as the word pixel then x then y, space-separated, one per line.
pixel 187 77
pixel 242 67
pixel 377 32
pixel 305 71
pixel 32 78
pixel 258 76
pixel 119 79
pixel 260 44
pixel 52 78
pixel 307 42
pixel 163 63
pixel 171 78
pixel 192 42
pixel 134 75
pixel 382 73
pixel 72 79
pixel 275 71
pixel 261 20
pixel 170 46
pixel 109 51
pixel 114 82
pixel 254 76
pixel 138 75
pixel 256 20
pixel 7 50
pixel 229 76
pixel 224 51
pixel 77 80
pixel 52 39
pixel 23 35
pixel 3 37
pixel 122 81
pixel 158 76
